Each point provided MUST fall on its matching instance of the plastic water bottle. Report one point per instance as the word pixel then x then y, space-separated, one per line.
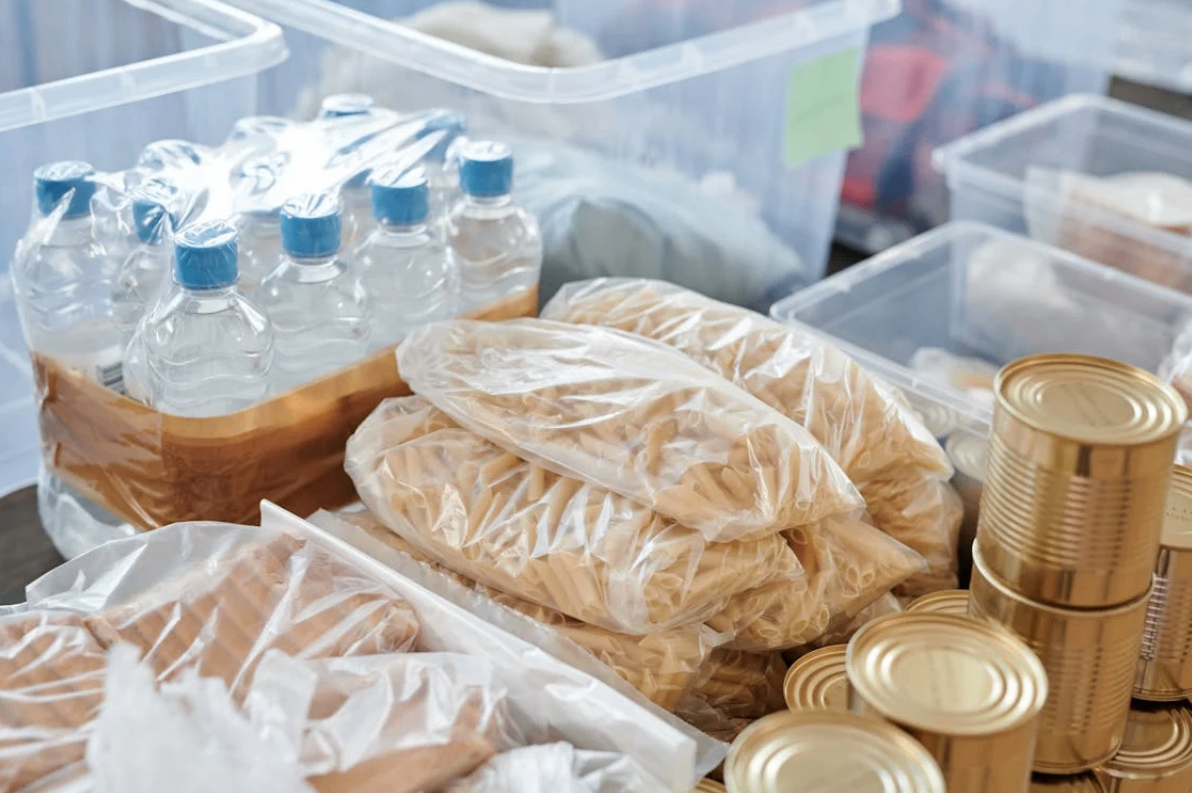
pixel 442 169
pixel 355 202
pixel 259 248
pixel 408 272
pixel 207 350
pixel 62 278
pixel 143 276
pixel 318 304
pixel 497 244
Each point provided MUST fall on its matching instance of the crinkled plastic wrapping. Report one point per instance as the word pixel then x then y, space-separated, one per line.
pixel 662 666
pixel 559 542
pixel 886 604
pixel 555 768
pixel 632 416
pixel 148 468
pixel 738 688
pixel 399 723
pixel 51 687
pixel 862 422
pixel 352 527
pixel 1139 222
pixel 848 565
pixel 546 700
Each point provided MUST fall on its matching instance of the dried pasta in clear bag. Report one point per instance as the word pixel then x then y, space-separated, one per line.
pixel 631 416
pixel 848 564
pixel 863 423
pixel 51 687
pixel 286 594
pixel 560 542
pixel 737 688
pixel 662 665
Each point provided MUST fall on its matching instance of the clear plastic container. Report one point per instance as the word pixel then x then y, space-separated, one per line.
pixel 1042 174
pixel 96 81
pixel 945 68
pixel 1155 44
pixel 978 292
pixel 749 102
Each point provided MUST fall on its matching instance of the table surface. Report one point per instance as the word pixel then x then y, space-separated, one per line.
pixel 26 552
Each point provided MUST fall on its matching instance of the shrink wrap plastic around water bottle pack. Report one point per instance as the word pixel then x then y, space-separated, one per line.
pixel 112 463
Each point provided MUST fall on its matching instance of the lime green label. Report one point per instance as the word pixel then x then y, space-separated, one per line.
pixel 823 109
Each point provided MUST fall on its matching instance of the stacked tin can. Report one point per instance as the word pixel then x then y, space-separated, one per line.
pixel 1071 514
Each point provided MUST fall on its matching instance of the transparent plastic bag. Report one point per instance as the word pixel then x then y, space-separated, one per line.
pixel 1139 222
pixel 557 768
pixel 559 542
pixel 863 423
pixel 51 687
pixel 738 688
pixel 662 666
pixel 848 563
pixel 632 416
pixel 222 616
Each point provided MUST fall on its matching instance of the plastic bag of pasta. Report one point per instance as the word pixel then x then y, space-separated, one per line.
pixel 630 416
pixel 864 424
pixel 662 666
pixel 556 541
pixel 848 565
pixel 737 688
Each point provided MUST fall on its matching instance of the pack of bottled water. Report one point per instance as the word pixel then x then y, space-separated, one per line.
pixel 205 280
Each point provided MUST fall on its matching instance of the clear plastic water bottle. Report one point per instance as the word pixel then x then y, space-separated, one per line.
pixel 318 304
pixel 355 202
pixel 442 168
pixel 497 244
pixel 143 276
pixel 62 278
pixel 408 272
pixel 259 243
pixel 207 350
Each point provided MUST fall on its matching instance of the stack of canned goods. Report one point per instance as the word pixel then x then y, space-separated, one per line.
pixel 1069 530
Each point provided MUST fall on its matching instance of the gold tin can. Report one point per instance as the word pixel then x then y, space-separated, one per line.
pixel 1165 667
pixel 708 786
pixel 1079 462
pixel 1089 656
pixel 828 752
pixel 1156 754
pixel 946 601
pixel 818 681
pixel 967 690
pixel 1079 783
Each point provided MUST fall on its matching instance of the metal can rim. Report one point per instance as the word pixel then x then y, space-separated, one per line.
pixel 816 671
pixel 1161 762
pixel 943 601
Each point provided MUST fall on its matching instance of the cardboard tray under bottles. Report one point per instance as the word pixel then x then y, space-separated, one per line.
pixel 153 469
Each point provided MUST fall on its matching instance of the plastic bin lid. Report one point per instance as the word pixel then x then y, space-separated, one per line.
pixel 819 21
pixel 243 45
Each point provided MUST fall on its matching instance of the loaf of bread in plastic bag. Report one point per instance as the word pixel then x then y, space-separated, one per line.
pixel 848 565
pixel 285 594
pixel 662 666
pixel 51 688
pixel 631 416
pixel 560 542
pixel 864 424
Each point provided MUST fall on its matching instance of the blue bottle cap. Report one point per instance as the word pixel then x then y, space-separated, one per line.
pixel 449 122
pixel 52 182
pixel 486 169
pixel 151 202
pixel 205 256
pixel 310 226
pixel 161 154
pixel 344 105
pixel 400 198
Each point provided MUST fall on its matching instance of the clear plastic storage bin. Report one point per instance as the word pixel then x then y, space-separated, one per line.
pixel 96 81
pixel 938 315
pixel 749 103
pixel 945 68
pixel 985 297
pixel 1155 43
pixel 1089 174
